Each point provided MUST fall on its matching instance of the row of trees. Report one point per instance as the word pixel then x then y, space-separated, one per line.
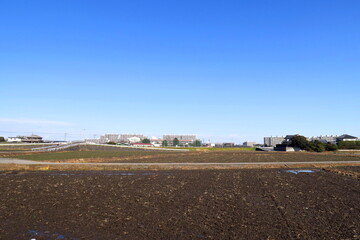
pixel 2 139
pixel 311 146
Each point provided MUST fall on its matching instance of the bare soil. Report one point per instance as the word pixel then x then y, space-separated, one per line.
pixel 207 204
pixel 135 156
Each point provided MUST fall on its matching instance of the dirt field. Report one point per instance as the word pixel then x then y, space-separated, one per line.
pixel 177 157
pixel 208 204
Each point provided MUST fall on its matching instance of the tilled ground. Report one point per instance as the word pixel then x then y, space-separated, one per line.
pixel 181 157
pixel 207 204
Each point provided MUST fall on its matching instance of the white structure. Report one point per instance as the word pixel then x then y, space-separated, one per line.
pixel 120 138
pixel 14 139
pixel 134 139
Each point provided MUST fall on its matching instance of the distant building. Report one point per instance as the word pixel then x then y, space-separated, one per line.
pixel 346 138
pixel 134 140
pixel 288 138
pixel 325 139
pixel 93 140
pixel 32 139
pixel 228 144
pixel 284 148
pixel 14 139
pixel 273 141
pixel 121 138
pixel 184 140
pixel 249 144
pixel 157 142
pixel 25 139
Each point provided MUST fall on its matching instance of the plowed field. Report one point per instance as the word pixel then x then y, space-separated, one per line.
pixel 207 204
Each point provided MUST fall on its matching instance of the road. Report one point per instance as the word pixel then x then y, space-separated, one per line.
pixel 29 162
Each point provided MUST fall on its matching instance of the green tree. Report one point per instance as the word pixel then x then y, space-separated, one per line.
pixel 197 143
pixel 2 139
pixel 164 143
pixel 300 142
pixel 318 146
pixel 111 143
pixel 146 140
pixel 176 142
pixel 331 147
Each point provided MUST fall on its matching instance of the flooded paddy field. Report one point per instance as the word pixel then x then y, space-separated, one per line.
pixel 193 204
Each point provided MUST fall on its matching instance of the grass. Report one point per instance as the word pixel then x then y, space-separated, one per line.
pixel 99 154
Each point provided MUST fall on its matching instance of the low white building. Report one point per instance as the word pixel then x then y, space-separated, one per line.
pixel 134 139
pixel 14 139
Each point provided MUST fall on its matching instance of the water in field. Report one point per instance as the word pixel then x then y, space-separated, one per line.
pixel 35 234
pixel 301 171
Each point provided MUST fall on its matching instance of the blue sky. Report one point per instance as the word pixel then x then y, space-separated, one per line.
pixel 224 70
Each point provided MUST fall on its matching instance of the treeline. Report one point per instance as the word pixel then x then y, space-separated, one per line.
pixel 349 145
pixel 312 146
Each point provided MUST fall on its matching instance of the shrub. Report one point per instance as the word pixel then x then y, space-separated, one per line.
pixel 331 147
pixel 349 145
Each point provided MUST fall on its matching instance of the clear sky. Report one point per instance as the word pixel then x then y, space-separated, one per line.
pixel 224 70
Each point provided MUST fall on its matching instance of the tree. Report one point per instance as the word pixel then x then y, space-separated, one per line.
pixel 196 143
pixel 318 146
pixel 331 147
pixel 2 139
pixel 146 140
pixel 111 143
pixel 164 143
pixel 176 142
pixel 300 142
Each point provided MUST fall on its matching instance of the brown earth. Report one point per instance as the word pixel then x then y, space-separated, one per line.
pixel 200 157
pixel 207 204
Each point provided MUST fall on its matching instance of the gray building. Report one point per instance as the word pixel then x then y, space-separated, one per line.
pixel 249 144
pixel 120 138
pixel 346 138
pixel 325 139
pixel 184 140
pixel 273 141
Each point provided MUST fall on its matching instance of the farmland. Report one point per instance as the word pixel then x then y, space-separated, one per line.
pixel 207 204
pixel 181 157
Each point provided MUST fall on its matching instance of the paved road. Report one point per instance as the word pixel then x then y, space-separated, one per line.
pixel 29 162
